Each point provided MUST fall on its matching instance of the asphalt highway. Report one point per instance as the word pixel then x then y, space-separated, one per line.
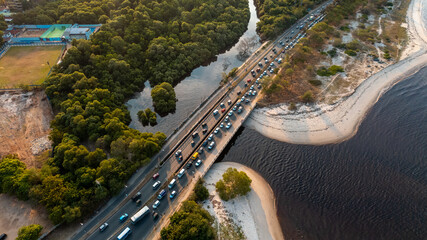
pixel 143 181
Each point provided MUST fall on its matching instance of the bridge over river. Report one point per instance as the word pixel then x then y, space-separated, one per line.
pixel 226 101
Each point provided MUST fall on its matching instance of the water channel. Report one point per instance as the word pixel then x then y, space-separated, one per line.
pixel 195 88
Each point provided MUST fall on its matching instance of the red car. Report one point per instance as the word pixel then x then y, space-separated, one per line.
pixel 249 80
pixel 156 175
pixel 223 110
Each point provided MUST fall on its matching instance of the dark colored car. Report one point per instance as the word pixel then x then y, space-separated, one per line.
pixel 136 197
pixel 155 215
pixel 189 164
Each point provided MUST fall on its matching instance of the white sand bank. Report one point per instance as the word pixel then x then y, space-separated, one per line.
pixel 256 212
pixel 324 123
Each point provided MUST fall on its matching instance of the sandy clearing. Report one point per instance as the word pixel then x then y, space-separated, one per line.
pixel 323 123
pixel 256 212
pixel 20 213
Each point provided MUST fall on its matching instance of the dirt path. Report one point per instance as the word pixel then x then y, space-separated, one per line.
pixel 24 125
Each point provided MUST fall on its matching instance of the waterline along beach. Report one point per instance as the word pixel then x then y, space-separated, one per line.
pixel 324 123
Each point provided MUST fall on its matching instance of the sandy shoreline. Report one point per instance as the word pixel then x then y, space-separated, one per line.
pixel 323 123
pixel 256 213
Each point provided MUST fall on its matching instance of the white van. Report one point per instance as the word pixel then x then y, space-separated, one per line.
pixel 172 183
pixel 181 173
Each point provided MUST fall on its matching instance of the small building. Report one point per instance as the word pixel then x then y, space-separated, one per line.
pixel 80 31
pixel 14 5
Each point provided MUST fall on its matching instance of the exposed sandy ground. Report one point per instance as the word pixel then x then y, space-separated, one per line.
pixel 24 125
pixel 323 123
pixel 16 213
pixel 256 212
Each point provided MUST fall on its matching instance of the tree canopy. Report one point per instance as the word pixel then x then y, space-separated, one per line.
pixel 30 232
pixel 190 222
pixel 278 15
pixel 157 40
pixel 164 98
pixel 233 184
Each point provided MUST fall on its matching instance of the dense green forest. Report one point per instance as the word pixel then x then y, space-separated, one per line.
pixel 155 40
pixel 278 15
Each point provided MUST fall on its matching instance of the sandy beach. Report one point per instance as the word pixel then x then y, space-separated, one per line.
pixel 322 123
pixel 256 212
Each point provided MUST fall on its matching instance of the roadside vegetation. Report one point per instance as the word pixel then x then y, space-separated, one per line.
pixel 200 193
pixel 278 15
pixel 233 184
pixel 30 232
pixel 94 150
pixel 340 50
pixel 190 222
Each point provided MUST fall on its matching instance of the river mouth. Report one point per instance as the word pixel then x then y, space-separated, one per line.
pixel 194 89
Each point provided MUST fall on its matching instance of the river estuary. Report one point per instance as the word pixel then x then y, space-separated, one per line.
pixel 372 186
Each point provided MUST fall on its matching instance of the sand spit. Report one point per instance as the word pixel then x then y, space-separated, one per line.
pixel 255 213
pixel 323 123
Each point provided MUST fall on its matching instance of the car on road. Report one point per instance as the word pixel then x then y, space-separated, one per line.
pixel 211 146
pixel 181 173
pixel 136 197
pixel 189 164
pixel 172 183
pixel 216 131
pixel 215 112
pixel 240 110
pixel 228 125
pixel 195 134
pixel 205 143
pixel 161 194
pixel 173 194
pixel 155 215
pixel 156 185
pixel 178 153
pixel 156 204
pixel 101 228
pixel 221 125
pixel 198 163
pixel 230 113
pixel 210 138
pixel 123 217
pixel 156 175
pixel 138 202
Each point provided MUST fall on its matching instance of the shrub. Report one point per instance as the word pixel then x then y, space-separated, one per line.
pixel 200 191
pixel 315 82
pixel 307 97
pixel 334 69
pixel 147 117
pixel 332 52
pixel 350 52
pixel 233 184
pixel 292 106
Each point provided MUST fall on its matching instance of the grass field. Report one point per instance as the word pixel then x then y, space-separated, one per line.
pixel 27 65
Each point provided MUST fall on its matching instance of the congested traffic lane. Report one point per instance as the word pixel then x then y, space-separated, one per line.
pixel 172 165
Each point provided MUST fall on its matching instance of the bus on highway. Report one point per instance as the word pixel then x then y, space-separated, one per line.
pixel 140 214
pixel 124 234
